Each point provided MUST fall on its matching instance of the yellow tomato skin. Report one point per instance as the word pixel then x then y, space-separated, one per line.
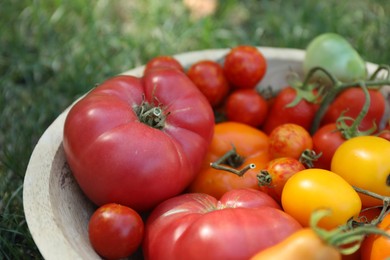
pixel 364 162
pixel 313 189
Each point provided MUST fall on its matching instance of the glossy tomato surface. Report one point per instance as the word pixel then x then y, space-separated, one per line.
pixel 284 110
pixel 244 66
pixel 326 140
pixel 351 101
pixel 138 141
pixel 385 133
pixel 163 61
pixel 115 231
pixel 246 106
pixel 198 226
pixel 251 146
pixel 377 247
pixel 334 53
pixel 208 76
pixel 289 140
pixel 275 175
pixel 364 162
pixel 313 189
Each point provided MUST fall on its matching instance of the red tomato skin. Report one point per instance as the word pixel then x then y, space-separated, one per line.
pixel 351 101
pixel 244 66
pixel 208 76
pixel 115 231
pixel 164 61
pixel 301 114
pixel 289 140
pixel 198 226
pixel 280 170
pixel 246 106
pixel 116 158
pixel 326 140
pixel 385 133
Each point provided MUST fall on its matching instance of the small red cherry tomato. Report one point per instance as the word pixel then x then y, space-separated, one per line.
pixel 208 76
pixel 115 231
pixel 163 61
pixel 301 113
pixel 289 140
pixel 385 133
pixel 326 140
pixel 351 101
pixel 276 173
pixel 246 106
pixel 244 66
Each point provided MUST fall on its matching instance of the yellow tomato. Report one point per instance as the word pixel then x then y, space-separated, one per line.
pixel 364 162
pixel 314 189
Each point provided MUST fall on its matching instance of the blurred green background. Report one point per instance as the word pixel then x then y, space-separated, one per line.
pixel 51 52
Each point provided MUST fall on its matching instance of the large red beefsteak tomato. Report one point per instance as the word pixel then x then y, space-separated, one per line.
pixel 138 141
pixel 198 226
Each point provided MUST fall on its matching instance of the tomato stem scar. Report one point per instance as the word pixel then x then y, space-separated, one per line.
pixel 151 115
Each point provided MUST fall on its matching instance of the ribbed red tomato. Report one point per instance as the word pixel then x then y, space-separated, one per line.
pixel 138 141
pixel 198 226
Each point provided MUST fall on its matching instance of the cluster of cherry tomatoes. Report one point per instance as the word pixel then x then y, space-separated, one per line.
pixel 268 143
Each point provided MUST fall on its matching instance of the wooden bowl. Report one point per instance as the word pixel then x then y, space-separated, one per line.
pixel 56 210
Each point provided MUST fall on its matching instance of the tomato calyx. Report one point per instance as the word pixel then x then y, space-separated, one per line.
pixel 151 115
pixel 264 178
pixel 230 161
pixel 309 156
pixel 346 239
pixel 304 91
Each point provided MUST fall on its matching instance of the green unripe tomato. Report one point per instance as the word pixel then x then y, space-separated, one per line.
pixel 335 54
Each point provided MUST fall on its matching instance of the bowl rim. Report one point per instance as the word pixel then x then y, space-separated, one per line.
pixel 38 210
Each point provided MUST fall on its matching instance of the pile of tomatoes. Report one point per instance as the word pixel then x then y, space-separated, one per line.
pixel 200 163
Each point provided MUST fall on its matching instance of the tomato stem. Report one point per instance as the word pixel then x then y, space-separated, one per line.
pixel 308 157
pixel 336 88
pixel 311 72
pixel 230 161
pixel 379 69
pixel 304 91
pixel 385 206
pixel 346 239
pixel 353 130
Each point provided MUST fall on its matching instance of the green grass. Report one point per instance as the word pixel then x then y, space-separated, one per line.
pixel 51 52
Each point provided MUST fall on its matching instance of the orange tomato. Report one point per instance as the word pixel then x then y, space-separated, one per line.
pixel 304 244
pixel 315 243
pixel 377 247
pixel 251 147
